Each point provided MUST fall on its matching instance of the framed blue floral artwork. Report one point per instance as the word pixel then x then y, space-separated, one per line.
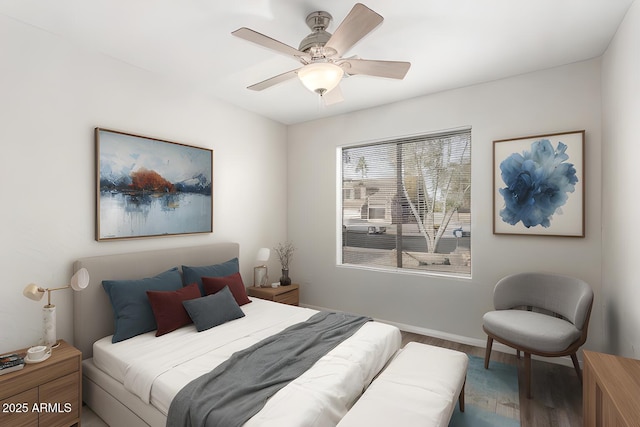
pixel 538 185
pixel 148 187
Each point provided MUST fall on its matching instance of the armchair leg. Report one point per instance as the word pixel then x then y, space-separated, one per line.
pixel 576 365
pixel 527 373
pixel 487 354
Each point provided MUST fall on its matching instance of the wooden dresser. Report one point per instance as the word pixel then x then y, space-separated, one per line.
pixel 46 394
pixel 283 294
pixel 611 391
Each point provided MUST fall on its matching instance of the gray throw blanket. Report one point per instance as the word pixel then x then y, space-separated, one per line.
pixel 238 388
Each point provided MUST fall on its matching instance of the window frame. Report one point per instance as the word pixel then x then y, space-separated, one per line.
pixel 341 191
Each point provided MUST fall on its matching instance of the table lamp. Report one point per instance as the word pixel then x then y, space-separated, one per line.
pixel 260 276
pixel 79 281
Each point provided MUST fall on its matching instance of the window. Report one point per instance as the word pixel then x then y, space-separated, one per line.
pixel 406 204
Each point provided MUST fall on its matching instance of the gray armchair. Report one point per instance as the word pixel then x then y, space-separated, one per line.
pixel 542 314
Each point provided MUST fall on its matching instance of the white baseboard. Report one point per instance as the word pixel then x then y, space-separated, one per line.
pixel 564 361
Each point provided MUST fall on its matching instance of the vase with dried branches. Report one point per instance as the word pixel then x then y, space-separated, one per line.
pixel 285 253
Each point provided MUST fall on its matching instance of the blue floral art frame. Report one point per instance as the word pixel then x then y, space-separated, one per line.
pixel 538 185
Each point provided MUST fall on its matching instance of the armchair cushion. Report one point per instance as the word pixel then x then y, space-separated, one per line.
pixel 528 329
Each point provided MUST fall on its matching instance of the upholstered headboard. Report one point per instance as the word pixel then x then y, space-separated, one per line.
pixel 92 312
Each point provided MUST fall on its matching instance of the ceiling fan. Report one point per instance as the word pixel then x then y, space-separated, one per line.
pixel 321 53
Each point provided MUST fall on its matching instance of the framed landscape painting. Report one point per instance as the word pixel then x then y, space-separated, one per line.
pixel 538 185
pixel 148 187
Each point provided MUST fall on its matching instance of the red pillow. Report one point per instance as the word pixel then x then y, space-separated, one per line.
pixel 213 285
pixel 168 310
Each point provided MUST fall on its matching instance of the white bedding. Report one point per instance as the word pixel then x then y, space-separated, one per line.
pixel 156 368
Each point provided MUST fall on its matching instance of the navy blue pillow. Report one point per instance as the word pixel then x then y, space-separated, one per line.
pixel 195 274
pixel 213 310
pixel 132 311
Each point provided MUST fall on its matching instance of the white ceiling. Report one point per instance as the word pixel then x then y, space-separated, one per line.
pixel 450 43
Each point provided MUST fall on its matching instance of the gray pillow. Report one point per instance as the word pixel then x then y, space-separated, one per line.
pixel 213 310
pixel 132 312
pixel 195 274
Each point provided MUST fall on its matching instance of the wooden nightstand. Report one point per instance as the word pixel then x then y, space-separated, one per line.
pixel 610 390
pixel 282 294
pixel 44 394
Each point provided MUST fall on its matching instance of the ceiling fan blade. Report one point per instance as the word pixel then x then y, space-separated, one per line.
pixel 265 84
pixel 389 69
pixel 273 44
pixel 358 23
pixel 333 97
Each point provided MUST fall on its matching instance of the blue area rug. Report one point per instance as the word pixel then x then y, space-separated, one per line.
pixel 491 396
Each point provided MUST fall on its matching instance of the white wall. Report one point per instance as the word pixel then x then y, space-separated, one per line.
pixel 620 154
pixel 561 99
pixel 52 95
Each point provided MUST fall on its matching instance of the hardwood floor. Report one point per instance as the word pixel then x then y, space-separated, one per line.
pixel 557 392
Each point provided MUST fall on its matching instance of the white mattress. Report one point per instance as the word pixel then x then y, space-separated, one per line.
pixel 156 368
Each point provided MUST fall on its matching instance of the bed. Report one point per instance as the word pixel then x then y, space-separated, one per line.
pixel 134 382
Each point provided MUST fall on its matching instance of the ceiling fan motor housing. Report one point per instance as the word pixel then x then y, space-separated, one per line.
pixel 318 23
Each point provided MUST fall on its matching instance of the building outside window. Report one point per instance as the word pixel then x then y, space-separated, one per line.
pixel 406 204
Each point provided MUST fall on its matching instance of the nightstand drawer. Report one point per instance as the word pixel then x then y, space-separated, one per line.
pixel 18 410
pixel 282 294
pixel 32 377
pixel 291 298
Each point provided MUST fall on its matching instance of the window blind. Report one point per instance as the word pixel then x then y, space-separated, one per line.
pixel 406 203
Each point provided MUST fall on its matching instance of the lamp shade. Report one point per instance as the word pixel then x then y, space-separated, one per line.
pixel 263 255
pixel 320 77
pixel 80 280
pixel 33 291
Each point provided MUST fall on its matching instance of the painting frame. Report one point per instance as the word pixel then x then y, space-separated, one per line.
pixel 539 185
pixel 149 187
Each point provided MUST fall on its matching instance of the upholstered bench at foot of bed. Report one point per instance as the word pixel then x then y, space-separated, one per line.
pixel 418 388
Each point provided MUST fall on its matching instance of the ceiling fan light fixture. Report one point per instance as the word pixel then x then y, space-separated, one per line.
pixel 320 77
